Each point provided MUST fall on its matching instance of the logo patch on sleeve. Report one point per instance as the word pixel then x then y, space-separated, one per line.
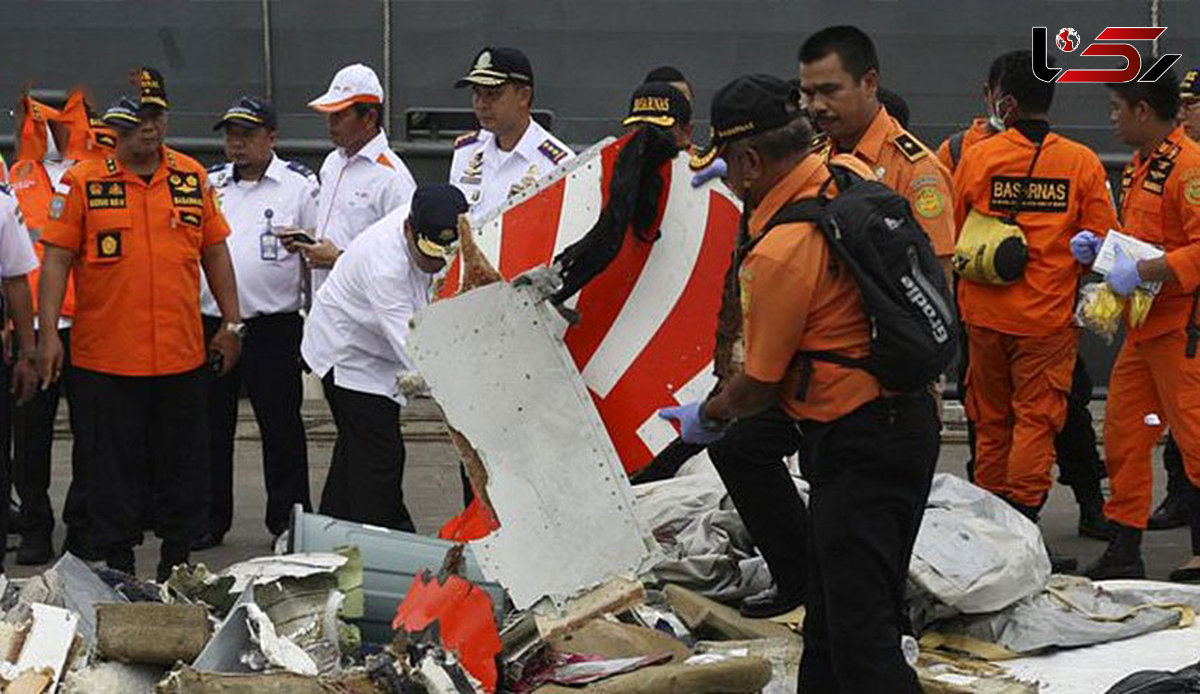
pixel 108 244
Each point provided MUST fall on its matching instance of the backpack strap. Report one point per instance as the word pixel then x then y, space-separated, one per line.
pixel 1193 329
pixel 956 145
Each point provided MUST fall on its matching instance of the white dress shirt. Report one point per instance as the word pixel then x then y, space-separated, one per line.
pixel 357 191
pixel 358 325
pixel 16 250
pixel 488 176
pixel 268 276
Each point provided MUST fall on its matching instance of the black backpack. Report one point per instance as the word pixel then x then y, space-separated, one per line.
pixel 871 229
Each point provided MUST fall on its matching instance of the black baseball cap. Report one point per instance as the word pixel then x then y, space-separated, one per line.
pixel 123 114
pixel 747 106
pixel 658 103
pixel 434 217
pixel 250 112
pixel 493 66
pixel 1188 89
pixel 153 88
pixel 665 73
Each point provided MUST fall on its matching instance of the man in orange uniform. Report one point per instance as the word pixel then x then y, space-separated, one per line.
pixel 51 142
pixel 868 456
pixel 839 76
pixel 136 229
pixel 1075 446
pixel 1022 337
pixel 1156 372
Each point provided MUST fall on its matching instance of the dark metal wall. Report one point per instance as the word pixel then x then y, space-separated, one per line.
pixel 587 55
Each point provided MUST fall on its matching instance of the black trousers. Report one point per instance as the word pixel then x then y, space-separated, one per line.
pixel 1177 480
pixel 749 460
pixel 870 473
pixel 139 427
pixel 269 369
pixel 33 440
pixel 366 474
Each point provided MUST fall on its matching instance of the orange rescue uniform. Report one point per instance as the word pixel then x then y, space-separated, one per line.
pixel 1021 336
pixel 1160 203
pixel 908 167
pixel 137 249
pixel 979 130
pixel 795 298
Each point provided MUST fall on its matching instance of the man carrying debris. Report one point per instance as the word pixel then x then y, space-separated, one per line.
pixel 1156 378
pixel 869 455
pixel 135 230
pixel 1023 191
pixel 355 342
pixel 511 152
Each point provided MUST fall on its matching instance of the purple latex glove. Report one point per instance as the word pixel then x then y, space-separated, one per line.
pixel 1085 245
pixel 1123 277
pixel 693 427
pixel 714 170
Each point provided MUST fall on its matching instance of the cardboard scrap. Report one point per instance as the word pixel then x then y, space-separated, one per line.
pixel 613 596
pixel 190 681
pixel 725 676
pixel 710 619
pixel 31 682
pixel 151 633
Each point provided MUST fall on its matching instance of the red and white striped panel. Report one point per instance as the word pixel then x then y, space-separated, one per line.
pixel 648 323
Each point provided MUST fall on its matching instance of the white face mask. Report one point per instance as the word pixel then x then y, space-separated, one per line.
pixel 1000 111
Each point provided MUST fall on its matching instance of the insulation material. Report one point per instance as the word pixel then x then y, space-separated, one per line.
pixel 646 336
pixel 113 678
pixel 494 360
pixel 974 552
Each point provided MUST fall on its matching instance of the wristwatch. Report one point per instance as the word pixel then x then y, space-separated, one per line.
pixel 238 329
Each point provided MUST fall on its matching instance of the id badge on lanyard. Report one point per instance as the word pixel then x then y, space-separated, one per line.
pixel 268 242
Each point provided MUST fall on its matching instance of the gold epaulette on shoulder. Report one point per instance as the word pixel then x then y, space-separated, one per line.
pixel 909 145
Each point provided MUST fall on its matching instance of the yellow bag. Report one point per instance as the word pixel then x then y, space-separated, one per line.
pixel 990 250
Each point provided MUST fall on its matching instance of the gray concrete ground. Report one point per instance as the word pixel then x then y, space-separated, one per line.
pixel 433 492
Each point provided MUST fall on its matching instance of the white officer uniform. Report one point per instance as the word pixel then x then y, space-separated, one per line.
pixel 268 276
pixel 357 191
pixel 16 250
pixel 488 177
pixel 359 319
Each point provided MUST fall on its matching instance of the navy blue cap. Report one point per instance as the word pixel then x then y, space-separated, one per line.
pixel 249 111
pixel 123 114
pixel 434 216
pixel 494 66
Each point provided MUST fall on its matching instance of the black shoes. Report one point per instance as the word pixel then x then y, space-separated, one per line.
pixel 1092 522
pixel 771 603
pixel 1171 513
pixel 35 549
pixel 1122 558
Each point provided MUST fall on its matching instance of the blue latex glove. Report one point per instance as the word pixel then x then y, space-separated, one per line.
pixel 1123 277
pixel 714 170
pixel 1085 245
pixel 693 427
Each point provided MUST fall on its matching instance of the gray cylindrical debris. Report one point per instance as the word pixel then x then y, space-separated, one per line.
pixel 151 633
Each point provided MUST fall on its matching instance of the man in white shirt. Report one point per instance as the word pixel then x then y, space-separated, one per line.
pixel 363 179
pixel 16 262
pixel 511 152
pixel 355 342
pixel 262 197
